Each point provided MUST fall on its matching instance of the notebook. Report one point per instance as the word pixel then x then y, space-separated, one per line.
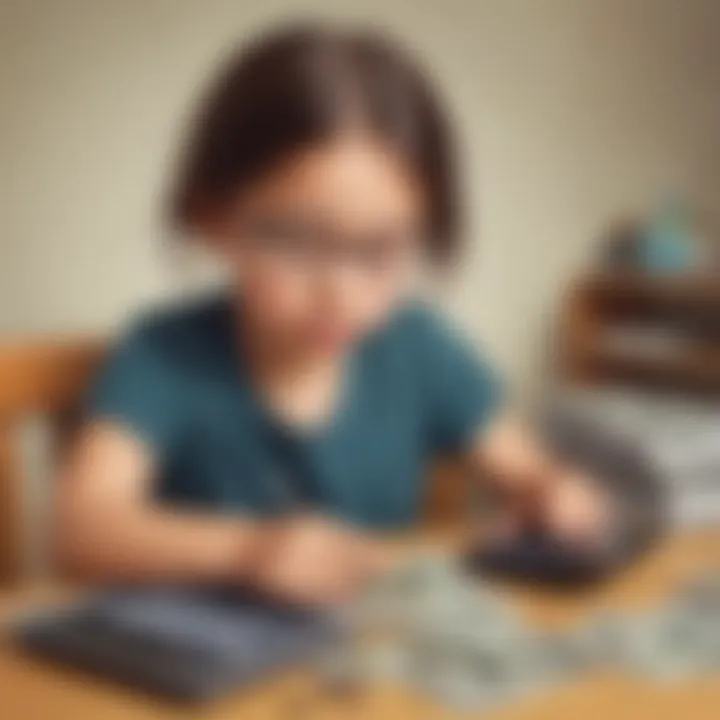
pixel 189 645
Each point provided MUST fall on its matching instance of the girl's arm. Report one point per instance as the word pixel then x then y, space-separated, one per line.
pixel 109 529
pixel 540 488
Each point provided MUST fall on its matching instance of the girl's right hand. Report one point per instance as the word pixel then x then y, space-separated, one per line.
pixel 313 560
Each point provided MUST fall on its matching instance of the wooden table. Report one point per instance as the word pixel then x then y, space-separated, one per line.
pixel 32 691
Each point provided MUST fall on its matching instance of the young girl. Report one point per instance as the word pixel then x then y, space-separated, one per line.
pixel 261 436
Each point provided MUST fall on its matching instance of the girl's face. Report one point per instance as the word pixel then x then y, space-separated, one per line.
pixel 326 244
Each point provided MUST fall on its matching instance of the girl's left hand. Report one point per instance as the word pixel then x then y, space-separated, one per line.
pixel 572 506
pixel 542 493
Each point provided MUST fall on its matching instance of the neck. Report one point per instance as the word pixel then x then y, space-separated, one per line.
pixel 269 356
pixel 301 388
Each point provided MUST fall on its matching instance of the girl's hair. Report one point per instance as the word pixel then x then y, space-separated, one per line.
pixel 297 87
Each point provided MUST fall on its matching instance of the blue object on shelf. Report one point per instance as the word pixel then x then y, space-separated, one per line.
pixel 668 243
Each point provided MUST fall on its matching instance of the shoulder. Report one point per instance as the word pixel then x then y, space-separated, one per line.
pixel 145 382
pixel 417 326
pixel 428 345
pixel 444 359
pixel 459 387
pixel 161 354
pixel 178 334
pixel 178 322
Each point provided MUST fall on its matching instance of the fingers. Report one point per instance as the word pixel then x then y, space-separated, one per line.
pixel 316 561
pixel 573 508
pixel 579 511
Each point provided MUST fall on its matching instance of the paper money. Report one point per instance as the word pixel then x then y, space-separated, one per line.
pixel 449 636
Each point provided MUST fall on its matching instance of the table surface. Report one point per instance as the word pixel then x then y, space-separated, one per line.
pixel 30 690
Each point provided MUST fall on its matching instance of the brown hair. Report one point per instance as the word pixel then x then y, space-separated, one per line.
pixel 299 86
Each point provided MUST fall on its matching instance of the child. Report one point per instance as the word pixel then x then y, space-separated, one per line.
pixel 259 437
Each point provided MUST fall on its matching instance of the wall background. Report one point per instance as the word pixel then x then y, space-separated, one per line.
pixel 572 111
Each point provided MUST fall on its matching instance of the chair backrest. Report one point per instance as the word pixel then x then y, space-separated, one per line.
pixel 46 379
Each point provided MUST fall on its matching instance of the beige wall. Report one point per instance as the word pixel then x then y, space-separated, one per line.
pixel 573 111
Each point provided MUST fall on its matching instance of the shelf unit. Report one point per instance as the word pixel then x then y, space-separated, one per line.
pixel 685 310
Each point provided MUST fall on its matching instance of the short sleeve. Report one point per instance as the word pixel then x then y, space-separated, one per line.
pixel 138 389
pixel 461 390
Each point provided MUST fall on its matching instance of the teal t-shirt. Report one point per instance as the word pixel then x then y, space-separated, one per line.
pixel 414 389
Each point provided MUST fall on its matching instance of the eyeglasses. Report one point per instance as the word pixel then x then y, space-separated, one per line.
pixel 308 246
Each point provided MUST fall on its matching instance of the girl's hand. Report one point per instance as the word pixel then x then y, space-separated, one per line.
pixel 571 506
pixel 576 508
pixel 313 560
pixel 541 492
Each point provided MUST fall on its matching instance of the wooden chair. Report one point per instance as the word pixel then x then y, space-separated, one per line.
pixel 42 379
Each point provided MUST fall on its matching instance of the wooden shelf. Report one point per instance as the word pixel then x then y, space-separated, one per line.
pixel 683 288
pixel 688 306
pixel 687 372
